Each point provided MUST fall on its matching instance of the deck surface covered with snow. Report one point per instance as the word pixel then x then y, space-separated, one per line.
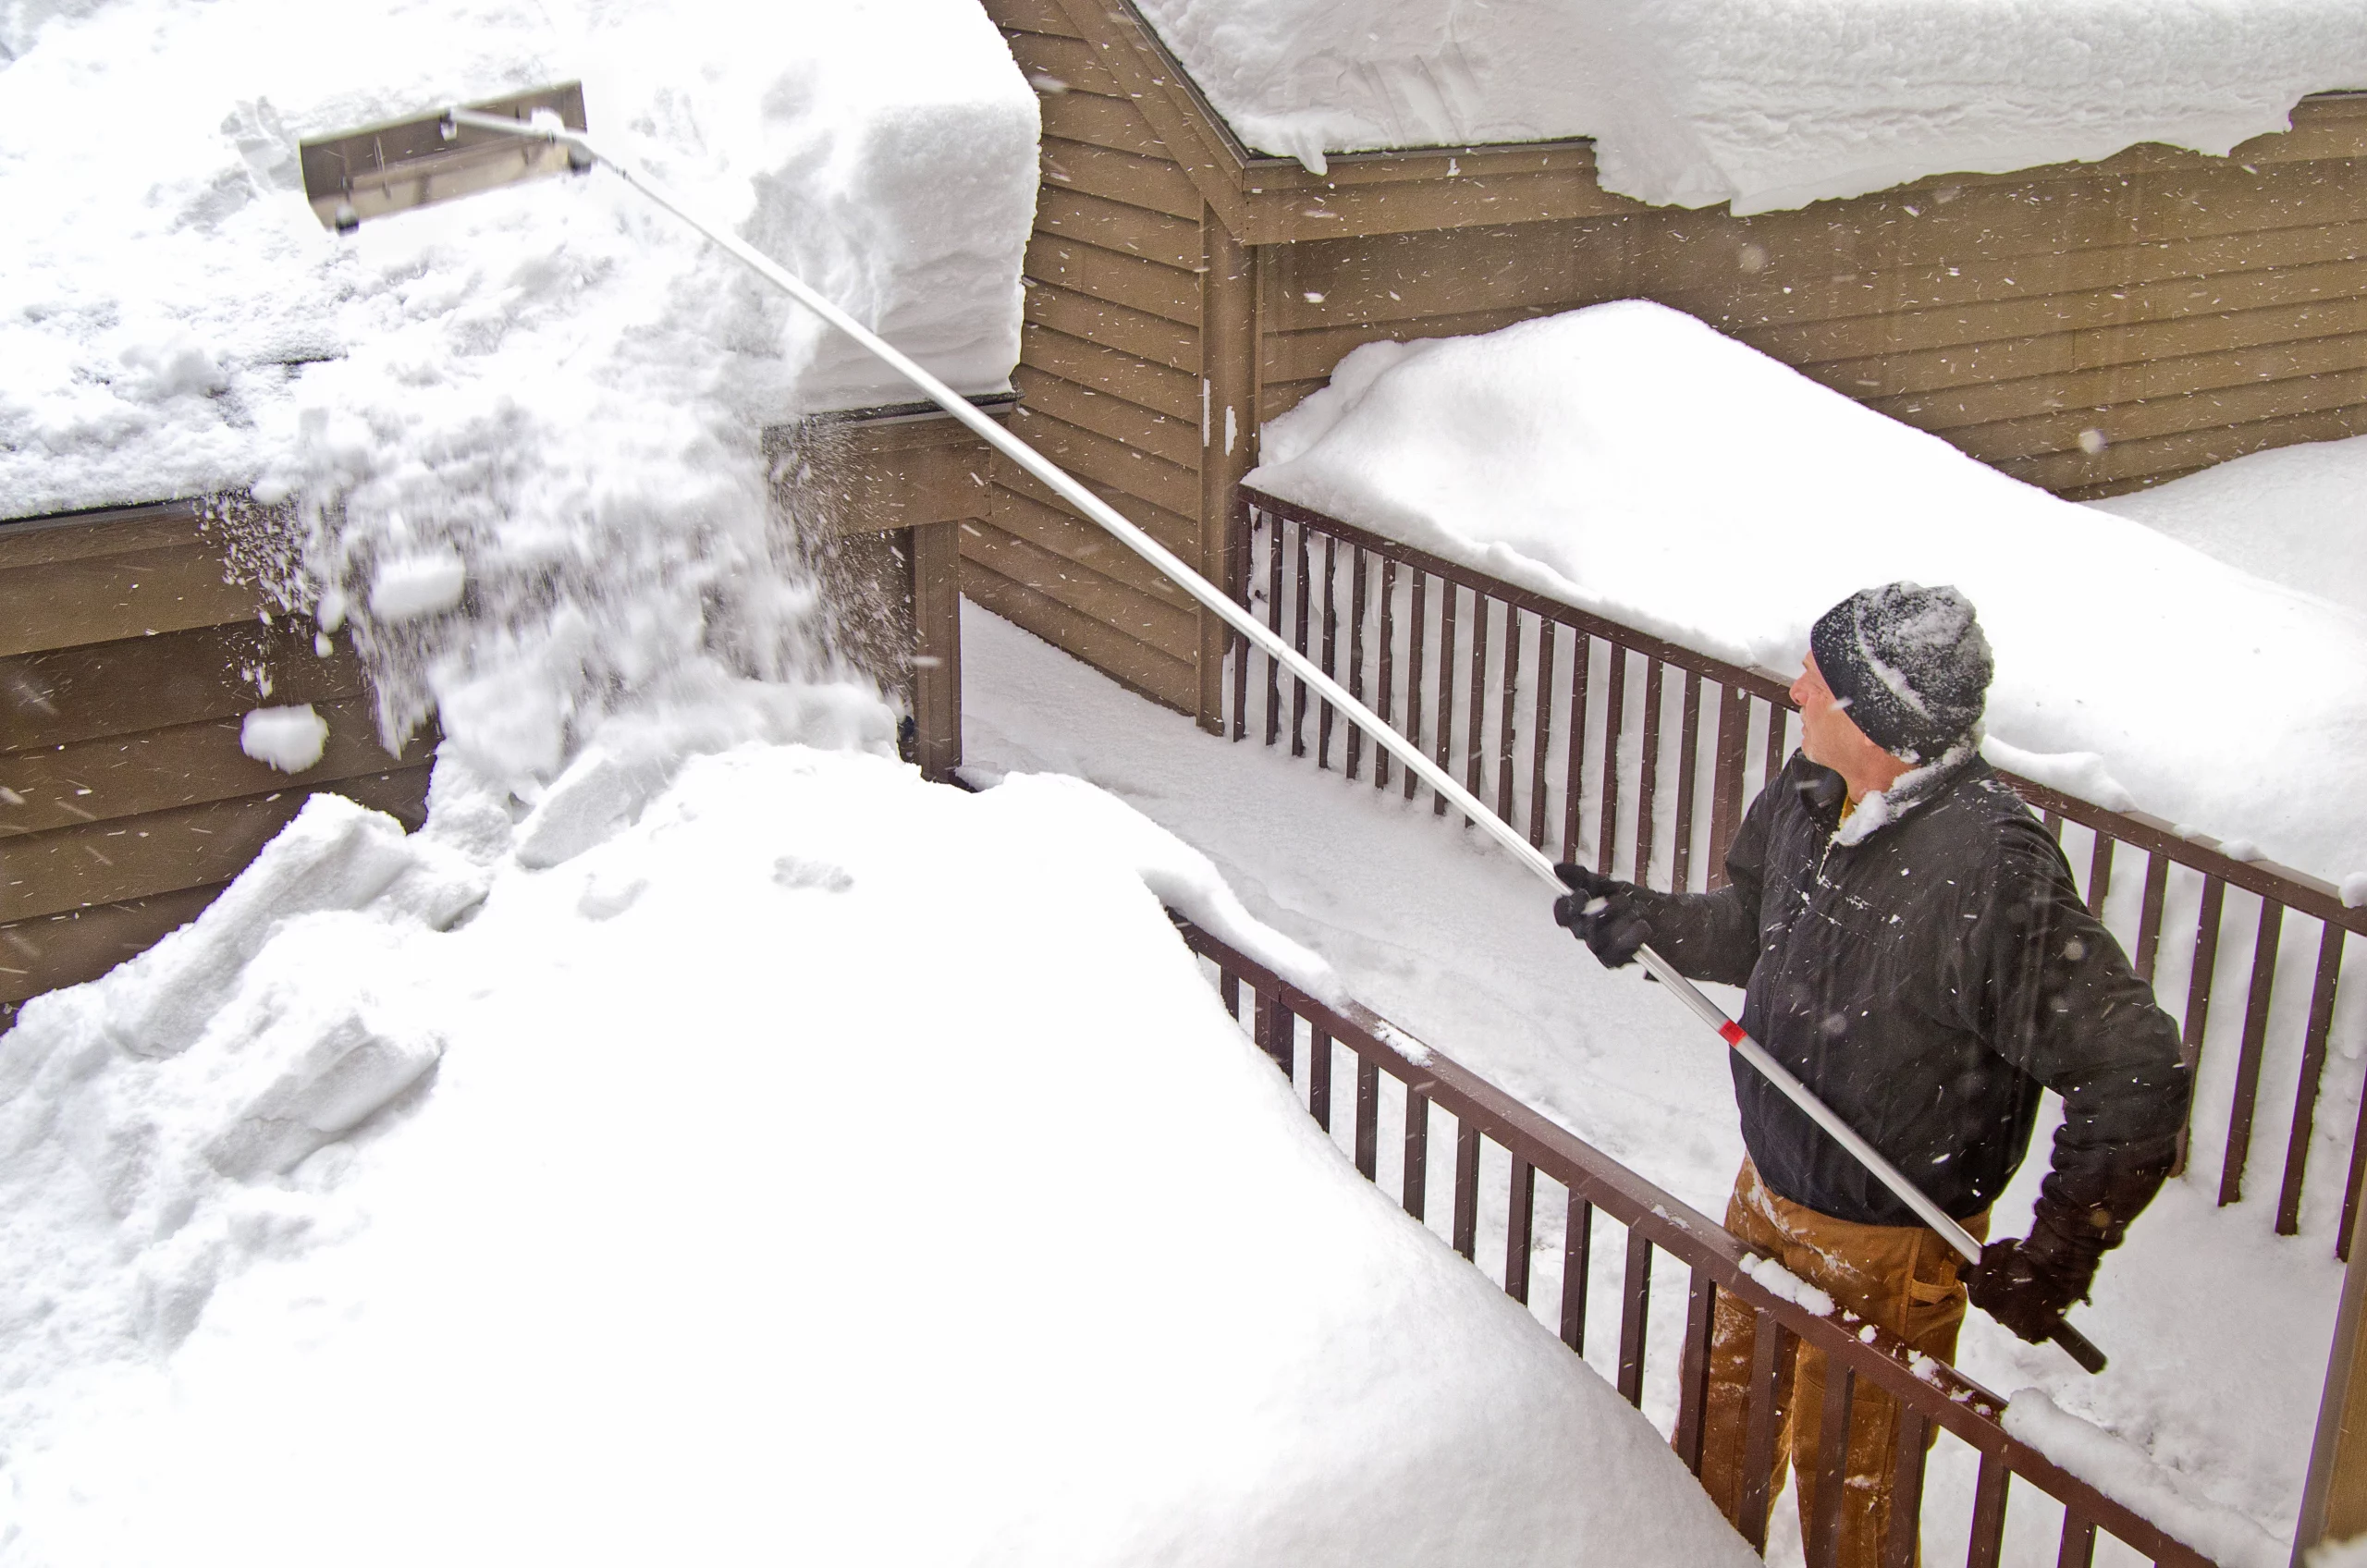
pixel 1765 104
pixel 2216 1365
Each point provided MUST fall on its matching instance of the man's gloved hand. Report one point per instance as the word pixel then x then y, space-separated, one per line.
pixel 1603 912
pixel 2029 1284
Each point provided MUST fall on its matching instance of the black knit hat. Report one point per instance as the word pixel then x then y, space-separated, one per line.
pixel 1911 664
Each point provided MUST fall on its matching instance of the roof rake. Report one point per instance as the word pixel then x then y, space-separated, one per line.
pixel 466 148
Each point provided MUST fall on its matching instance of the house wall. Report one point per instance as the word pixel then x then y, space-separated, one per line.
pixel 126 654
pixel 2186 309
pixel 1110 378
pixel 2091 328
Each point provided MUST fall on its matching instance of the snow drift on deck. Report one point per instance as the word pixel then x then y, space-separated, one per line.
pixel 1630 461
pixel 817 1165
pixel 2295 515
pixel 1766 104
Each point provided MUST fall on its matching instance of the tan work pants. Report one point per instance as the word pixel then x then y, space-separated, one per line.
pixel 1903 1277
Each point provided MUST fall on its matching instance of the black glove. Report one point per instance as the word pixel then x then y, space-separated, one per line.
pixel 2029 1284
pixel 1603 912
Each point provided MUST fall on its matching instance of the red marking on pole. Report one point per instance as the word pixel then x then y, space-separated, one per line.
pixel 1732 1033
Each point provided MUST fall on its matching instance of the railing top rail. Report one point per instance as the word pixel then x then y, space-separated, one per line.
pixel 1935 1390
pixel 2297 890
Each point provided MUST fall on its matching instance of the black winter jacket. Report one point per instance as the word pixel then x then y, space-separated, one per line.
pixel 1926 983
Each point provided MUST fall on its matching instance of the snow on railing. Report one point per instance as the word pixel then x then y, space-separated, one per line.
pixel 1522 695
pixel 1548 1193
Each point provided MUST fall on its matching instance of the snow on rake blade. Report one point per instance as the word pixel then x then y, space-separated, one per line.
pixel 404 164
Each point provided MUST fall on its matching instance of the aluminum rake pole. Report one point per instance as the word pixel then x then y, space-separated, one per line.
pixel 1222 605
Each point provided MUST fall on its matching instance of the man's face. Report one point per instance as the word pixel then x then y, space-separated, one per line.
pixel 1828 736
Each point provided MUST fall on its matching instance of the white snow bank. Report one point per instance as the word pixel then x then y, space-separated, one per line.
pixel 2296 515
pixel 547 396
pixel 818 1166
pixel 1628 460
pixel 2124 1473
pixel 1765 104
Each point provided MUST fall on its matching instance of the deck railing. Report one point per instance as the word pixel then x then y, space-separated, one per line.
pixel 1638 756
pixel 1508 1161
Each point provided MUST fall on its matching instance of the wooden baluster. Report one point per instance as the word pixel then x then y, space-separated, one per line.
pixel 2313 1063
pixel 1574 786
pixel 1577 1255
pixel 1635 1310
pixel 1832 1465
pixel 1416 1195
pixel 1244 534
pixel 1475 724
pixel 1298 642
pixel 2198 991
pixel 1772 1347
pixel 1416 653
pixel 1899 1545
pixel 2078 1548
pixel 2100 873
pixel 1451 596
pixel 1380 758
pixel 2240 1117
pixel 1540 732
pixel 1648 772
pixel 1776 714
pixel 1274 625
pixel 1318 1077
pixel 1357 650
pixel 1507 740
pixel 1989 1512
pixel 1726 794
pixel 1367 1117
pixel 1614 706
pixel 1689 746
pixel 1520 1226
pixel 1693 1369
pixel 1466 1187
pixel 1329 664
pixel 2149 916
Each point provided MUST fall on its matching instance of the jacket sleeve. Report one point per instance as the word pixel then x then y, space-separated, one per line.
pixel 2051 991
pixel 1715 935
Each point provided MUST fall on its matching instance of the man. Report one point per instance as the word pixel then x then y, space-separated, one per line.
pixel 1914 949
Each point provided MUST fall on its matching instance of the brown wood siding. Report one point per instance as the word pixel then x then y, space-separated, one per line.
pixel 1109 377
pixel 2188 309
pixel 126 666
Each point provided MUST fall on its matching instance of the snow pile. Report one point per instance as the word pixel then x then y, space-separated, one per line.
pixel 1765 104
pixel 814 1163
pixel 2296 515
pixel 1628 460
pixel 520 429
pixel 2122 1472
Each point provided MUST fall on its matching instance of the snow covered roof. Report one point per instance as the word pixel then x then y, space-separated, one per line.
pixel 817 1169
pixel 1629 460
pixel 1765 104
pixel 175 314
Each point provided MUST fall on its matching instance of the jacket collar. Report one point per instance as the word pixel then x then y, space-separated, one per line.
pixel 1822 792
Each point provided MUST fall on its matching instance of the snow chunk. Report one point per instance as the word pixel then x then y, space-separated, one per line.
pixel 290 739
pixel 407 587
pixel 1765 106
pixel 1602 457
pixel 2082 773
pixel 1778 1280
pixel 2354 890
pixel 2125 1473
